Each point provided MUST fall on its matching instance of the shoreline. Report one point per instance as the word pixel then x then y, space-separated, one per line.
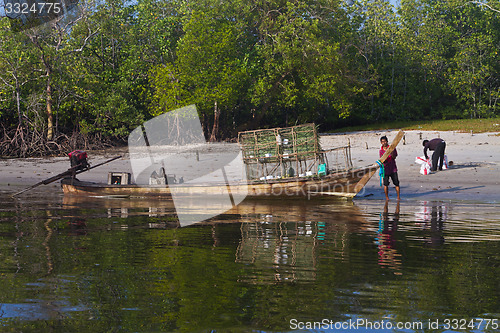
pixel 474 175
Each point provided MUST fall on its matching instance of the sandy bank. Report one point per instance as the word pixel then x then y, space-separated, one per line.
pixel 475 175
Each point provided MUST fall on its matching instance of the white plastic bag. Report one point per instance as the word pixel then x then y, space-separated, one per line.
pixel 425 169
pixel 425 165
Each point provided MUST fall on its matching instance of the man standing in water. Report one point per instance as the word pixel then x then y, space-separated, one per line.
pixel 438 146
pixel 391 170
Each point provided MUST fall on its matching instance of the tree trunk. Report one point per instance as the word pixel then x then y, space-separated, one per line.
pixel 215 129
pixel 405 87
pixel 392 83
pixel 18 105
pixel 50 115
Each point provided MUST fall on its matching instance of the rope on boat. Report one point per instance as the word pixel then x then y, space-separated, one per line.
pixel 381 172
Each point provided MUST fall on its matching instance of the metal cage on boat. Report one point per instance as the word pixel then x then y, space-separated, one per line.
pixel 280 153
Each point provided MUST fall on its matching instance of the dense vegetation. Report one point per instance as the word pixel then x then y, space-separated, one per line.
pixel 480 125
pixel 98 73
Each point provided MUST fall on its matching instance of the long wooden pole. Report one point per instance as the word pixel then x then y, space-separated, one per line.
pixel 369 174
pixel 68 172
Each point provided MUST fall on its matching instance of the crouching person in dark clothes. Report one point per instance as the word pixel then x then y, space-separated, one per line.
pixel 438 146
pixel 391 170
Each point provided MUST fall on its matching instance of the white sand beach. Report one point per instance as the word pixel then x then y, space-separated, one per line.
pixel 474 176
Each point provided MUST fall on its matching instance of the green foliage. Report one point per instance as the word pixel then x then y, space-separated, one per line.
pixel 459 125
pixel 208 61
pixel 253 65
pixel 19 78
pixel 302 65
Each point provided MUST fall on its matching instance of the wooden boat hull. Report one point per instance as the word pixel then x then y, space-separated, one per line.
pixel 339 184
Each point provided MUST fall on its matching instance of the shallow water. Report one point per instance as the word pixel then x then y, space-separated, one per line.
pixel 122 265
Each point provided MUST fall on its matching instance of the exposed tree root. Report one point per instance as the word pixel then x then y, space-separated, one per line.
pixel 21 142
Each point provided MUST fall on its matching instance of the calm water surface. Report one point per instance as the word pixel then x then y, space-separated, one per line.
pixel 122 265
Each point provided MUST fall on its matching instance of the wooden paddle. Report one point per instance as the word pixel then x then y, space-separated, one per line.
pixel 369 174
pixel 68 172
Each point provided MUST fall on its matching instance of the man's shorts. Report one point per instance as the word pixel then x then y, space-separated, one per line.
pixel 394 177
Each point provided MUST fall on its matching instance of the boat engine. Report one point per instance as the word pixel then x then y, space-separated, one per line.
pixel 78 159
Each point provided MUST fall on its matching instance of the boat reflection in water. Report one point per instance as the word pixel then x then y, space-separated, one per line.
pixel 279 239
pixel 287 251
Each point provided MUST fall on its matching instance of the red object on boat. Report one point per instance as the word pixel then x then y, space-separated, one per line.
pixel 78 158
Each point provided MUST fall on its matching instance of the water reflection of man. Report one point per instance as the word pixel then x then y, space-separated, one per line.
pixel 438 216
pixel 77 227
pixel 388 255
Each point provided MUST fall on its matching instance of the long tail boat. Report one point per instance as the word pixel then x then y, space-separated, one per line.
pixel 346 183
